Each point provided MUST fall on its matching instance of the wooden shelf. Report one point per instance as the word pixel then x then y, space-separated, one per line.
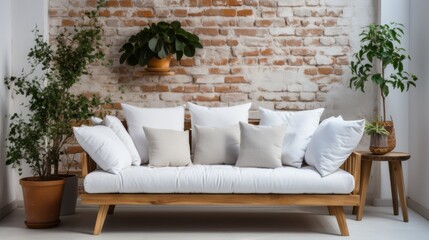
pixel 145 73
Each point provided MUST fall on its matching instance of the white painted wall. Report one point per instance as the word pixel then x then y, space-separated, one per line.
pixel 7 195
pixel 25 15
pixel 419 108
pixel 396 102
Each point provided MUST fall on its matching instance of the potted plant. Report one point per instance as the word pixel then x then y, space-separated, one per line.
pixel 155 45
pixel 378 143
pixel 38 136
pixel 378 51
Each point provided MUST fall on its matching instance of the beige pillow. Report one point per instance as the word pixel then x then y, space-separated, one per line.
pixel 261 146
pixel 168 147
pixel 217 145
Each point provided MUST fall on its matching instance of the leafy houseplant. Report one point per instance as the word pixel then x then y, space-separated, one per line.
pixel 377 53
pixel 159 41
pixel 375 128
pixel 38 137
pixel 378 143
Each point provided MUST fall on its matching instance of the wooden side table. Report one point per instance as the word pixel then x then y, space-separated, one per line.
pixel 396 180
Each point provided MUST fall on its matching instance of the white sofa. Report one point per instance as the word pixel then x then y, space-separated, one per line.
pixel 221 185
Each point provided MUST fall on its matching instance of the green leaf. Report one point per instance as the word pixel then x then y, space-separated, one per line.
pixel 152 44
pixel 162 53
pixel 176 24
pixel 179 45
pixel 179 55
pixel 132 60
pixel 189 51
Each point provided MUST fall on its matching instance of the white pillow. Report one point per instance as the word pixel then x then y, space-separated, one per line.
pixel 104 147
pixel 161 118
pixel 168 147
pixel 217 116
pixel 217 145
pixel 261 146
pixel 96 121
pixel 301 127
pixel 333 141
pixel 118 128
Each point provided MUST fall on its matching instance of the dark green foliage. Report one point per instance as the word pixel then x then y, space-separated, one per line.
pixel 37 138
pixel 159 40
pixel 379 46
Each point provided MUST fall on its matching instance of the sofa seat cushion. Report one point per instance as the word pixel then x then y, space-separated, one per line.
pixel 219 179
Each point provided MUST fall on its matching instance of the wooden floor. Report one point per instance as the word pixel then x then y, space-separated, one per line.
pixel 210 223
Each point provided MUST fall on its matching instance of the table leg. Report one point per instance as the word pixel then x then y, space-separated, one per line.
pixel 399 178
pixel 365 171
pixel 394 189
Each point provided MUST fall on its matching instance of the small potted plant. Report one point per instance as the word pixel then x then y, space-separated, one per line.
pixel 38 136
pixel 155 45
pixel 378 51
pixel 378 143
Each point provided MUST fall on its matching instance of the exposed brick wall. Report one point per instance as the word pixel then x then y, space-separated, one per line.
pixel 279 54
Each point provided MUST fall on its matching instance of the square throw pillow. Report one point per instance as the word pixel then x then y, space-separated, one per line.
pixel 118 128
pixel 301 127
pixel 217 145
pixel 217 116
pixel 261 146
pixel 104 147
pixel 161 118
pixel 333 141
pixel 168 147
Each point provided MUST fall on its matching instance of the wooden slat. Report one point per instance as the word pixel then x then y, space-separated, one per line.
pixel 221 199
pixel 353 166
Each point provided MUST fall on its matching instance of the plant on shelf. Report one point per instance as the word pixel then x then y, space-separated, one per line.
pixel 38 136
pixel 379 51
pixel 159 42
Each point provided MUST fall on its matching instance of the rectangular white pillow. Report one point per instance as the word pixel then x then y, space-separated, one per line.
pixel 333 141
pixel 168 147
pixel 104 147
pixel 118 128
pixel 217 145
pixel 161 118
pixel 300 130
pixel 261 146
pixel 217 116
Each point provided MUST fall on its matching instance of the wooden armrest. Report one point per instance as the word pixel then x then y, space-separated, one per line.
pixel 87 164
pixel 353 166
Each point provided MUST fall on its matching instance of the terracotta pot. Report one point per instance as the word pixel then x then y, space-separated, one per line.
pixel 68 204
pixel 378 144
pixel 42 201
pixel 156 63
pixel 391 138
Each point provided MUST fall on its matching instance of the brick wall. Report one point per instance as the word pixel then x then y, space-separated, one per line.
pixel 279 54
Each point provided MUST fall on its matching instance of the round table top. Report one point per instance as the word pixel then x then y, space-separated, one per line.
pixel 391 156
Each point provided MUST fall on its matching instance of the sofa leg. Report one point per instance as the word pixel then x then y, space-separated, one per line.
pixel 111 209
pixel 338 211
pixel 331 212
pixel 101 217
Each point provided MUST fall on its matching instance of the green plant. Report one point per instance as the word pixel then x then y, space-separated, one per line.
pixel 38 137
pixel 378 48
pixel 159 40
pixel 375 128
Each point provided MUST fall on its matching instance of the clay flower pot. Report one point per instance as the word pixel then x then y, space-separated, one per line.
pixel 156 64
pixel 42 201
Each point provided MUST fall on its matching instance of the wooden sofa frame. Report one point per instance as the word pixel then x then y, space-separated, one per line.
pixel 334 202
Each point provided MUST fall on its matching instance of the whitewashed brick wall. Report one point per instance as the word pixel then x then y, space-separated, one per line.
pixel 279 54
